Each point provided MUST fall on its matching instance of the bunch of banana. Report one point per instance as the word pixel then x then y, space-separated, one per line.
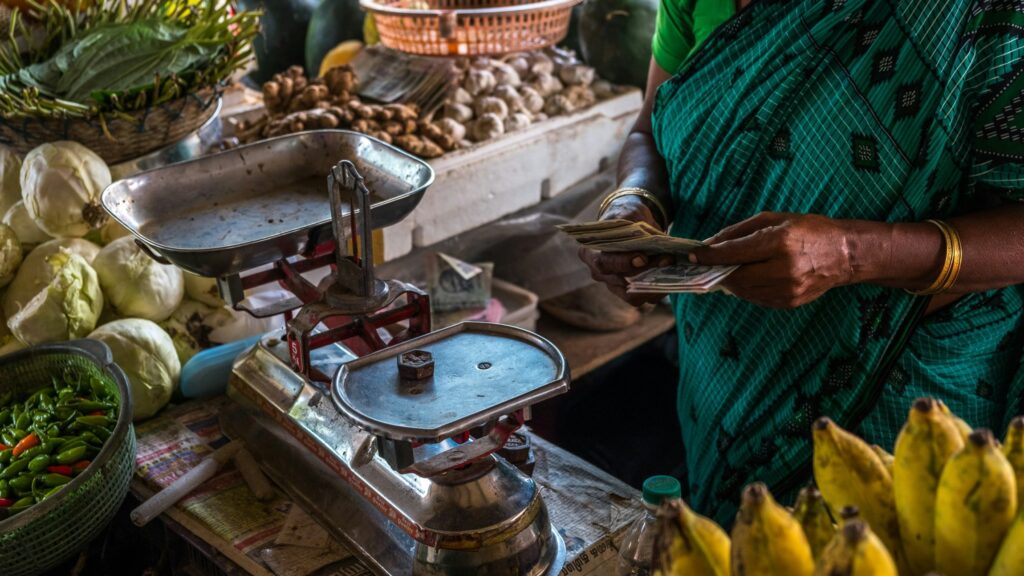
pixel 855 551
pixel 928 440
pixel 689 544
pixel 813 517
pixel 849 473
pixel 767 540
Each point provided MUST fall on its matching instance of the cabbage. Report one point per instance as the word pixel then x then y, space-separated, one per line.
pixel 10 255
pixel 136 285
pixel 61 183
pixel 24 227
pixel 35 273
pixel 190 327
pixel 203 290
pixel 111 231
pixel 8 343
pixel 67 308
pixel 146 354
pixel 10 172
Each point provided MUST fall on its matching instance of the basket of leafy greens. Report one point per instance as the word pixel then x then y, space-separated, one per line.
pixel 122 78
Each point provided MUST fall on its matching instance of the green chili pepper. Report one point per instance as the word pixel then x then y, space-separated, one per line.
pixel 93 420
pixel 68 456
pixel 23 420
pixel 19 433
pixel 8 438
pixel 5 456
pixel 22 504
pixel 65 394
pixel 91 405
pixel 14 469
pixel 52 491
pixel 39 463
pixel 5 490
pixel 52 479
pixel 45 401
pixel 30 453
pixel 22 483
pixel 103 434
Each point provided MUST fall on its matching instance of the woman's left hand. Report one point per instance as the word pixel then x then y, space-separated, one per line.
pixel 786 260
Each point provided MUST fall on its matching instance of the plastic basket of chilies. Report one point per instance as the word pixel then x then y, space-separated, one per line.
pixel 61 525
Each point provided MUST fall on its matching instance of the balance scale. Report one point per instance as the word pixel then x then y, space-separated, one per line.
pixel 386 432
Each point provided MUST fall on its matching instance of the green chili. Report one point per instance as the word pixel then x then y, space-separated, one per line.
pixel 38 463
pixel 69 455
pixel 53 479
pixel 14 469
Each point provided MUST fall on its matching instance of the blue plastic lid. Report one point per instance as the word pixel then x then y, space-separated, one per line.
pixel 206 374
pixel 659 488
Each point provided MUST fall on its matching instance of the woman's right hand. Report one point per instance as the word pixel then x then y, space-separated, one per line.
pixel 613 269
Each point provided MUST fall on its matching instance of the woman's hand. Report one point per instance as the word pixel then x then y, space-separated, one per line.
pixel 786 260
pixel 613 269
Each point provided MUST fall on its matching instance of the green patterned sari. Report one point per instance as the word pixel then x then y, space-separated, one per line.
pixel 887 110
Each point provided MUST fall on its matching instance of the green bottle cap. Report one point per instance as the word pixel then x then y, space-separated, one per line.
pixel 658 488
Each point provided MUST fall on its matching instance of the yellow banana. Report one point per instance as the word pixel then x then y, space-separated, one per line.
pixel 689 544
pixel 1013 449
pixel 1010 559
pixel 964 428
pixel 813 517
pixel 928 440
pixel 974 506
pixel 766 539
pixel 855 551
pixel 849 473
pixel 888 460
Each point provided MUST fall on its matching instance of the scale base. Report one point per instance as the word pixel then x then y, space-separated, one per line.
pixel 488 519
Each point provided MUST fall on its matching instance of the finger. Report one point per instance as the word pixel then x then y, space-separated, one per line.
pixel 756 247
pixel 747 227
pixel 624 263
pixel 611 280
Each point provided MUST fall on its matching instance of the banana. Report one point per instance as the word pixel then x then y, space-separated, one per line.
pixel 964 428
pixel 849 473
pixel 888 460
pixel 928 440
pixel 1013 449
pixel 1010 559
pixel 855 551
pixel 974 506
pixel 689 544
pixel 813 517
pixel 767 540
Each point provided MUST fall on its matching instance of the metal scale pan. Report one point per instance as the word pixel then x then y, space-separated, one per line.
pixel 226 213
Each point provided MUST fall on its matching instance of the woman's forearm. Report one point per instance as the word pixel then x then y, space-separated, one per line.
pixel 911 255
pixel 640 166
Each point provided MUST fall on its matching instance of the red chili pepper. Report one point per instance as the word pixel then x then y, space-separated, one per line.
pixel 65 470
pixel 3 446
pixel 97 413
pixel 80 465
pixel 6 502
pixel 25 443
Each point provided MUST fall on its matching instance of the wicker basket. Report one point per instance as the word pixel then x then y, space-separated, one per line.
pixel 124 138
pixel 469 27
pixel 59 527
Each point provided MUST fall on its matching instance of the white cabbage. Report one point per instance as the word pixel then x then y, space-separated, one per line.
pixel 146 354
pixel 61 183
pixel 8 343
pixel 111 231
pixel 35 273
pixel 10 255
pixel 203 290
pixel 67 308
pixel 24 226
pixel 10 174
pixel 136 285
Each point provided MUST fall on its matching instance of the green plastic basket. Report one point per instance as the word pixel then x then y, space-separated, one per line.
pixel 56 529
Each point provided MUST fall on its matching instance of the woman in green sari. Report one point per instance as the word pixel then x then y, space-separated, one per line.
pixel 863 163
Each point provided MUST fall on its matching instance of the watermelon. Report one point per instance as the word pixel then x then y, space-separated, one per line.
pixel 282 39
pixel 615 38
pixel 333 22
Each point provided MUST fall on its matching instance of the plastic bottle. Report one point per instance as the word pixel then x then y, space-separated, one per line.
pixel 636 554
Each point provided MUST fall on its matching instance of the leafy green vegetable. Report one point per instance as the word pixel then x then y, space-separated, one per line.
pixel 112 58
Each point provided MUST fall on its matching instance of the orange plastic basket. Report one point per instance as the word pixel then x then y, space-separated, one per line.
pixel 469 27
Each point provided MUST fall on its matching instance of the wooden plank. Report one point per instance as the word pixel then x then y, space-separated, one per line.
pixel 585 351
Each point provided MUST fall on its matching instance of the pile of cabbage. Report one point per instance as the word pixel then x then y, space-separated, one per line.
pixel 67 272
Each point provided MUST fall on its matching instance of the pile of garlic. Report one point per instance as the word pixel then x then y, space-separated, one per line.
pixel 494 96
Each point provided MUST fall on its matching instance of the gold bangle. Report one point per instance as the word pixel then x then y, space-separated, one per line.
pixel 951 264
pixel 634 191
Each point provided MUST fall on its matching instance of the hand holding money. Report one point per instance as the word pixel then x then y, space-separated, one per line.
pixel 673 274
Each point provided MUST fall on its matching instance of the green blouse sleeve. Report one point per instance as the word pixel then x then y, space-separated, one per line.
pixel 682 25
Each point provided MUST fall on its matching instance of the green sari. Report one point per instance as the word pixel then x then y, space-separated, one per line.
pixel 887 110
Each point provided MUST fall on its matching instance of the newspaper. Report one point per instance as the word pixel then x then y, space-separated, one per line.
pixel 590 509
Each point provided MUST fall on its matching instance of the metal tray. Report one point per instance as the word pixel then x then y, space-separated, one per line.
pixel 236 210
pixel 482 371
